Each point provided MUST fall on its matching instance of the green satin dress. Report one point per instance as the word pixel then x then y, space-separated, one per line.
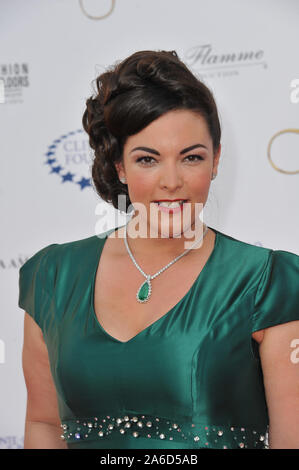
pixel 190 380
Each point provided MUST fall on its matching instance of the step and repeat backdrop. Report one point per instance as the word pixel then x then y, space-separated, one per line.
pixel 246 51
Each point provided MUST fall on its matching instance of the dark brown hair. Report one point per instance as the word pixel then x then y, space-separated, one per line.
pixel 130 95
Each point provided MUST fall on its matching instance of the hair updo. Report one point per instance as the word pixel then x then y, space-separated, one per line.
pixel 132 94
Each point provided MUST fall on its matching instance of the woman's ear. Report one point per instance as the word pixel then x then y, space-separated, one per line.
pixel 216 160
pixel 120 170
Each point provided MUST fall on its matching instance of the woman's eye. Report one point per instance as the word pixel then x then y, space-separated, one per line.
pixel 148 160
pixel 198 157
pixel 141 159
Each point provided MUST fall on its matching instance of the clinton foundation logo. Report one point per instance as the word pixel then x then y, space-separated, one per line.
pixel 68 158
pixel 214 64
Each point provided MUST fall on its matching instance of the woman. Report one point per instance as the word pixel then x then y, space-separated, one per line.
pixel 196 355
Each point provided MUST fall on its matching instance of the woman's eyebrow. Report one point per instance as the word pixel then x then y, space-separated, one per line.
pixel 155 152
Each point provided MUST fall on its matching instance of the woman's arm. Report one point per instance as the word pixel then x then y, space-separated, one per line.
pixel 281 381
pixel 42 436
pixel 42 424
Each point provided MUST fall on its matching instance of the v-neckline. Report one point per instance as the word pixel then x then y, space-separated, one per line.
pixel 166 314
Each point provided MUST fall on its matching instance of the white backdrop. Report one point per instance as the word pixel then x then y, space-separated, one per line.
pixel 247 53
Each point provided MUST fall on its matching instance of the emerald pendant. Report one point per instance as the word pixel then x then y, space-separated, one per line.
pixel 144 291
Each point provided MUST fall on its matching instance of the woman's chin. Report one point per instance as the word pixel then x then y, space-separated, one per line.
pixel 174 229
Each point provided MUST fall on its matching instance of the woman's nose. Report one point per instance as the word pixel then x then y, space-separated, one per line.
pixel 171 178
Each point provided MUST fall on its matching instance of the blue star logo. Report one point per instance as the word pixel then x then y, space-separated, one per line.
pixel 84 182
pixel 67 177
pixel 55 167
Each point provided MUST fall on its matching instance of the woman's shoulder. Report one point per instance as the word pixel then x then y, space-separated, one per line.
pixel 238 244
pixel 83 246
pixel 241 255
pixel 241 251
pixel 60 253
pixel 248 248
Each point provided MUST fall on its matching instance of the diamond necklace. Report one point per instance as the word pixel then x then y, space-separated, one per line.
pixel 144 291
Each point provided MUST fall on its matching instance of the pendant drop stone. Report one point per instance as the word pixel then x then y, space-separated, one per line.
pixel 144 291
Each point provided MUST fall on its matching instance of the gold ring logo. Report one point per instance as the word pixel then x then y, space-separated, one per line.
pixel 284 131
pixel 97 17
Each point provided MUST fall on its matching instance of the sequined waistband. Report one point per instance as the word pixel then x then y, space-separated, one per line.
pixel 151 427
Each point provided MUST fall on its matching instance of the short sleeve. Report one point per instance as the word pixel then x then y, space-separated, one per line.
pixel 277 294
pixel 32 284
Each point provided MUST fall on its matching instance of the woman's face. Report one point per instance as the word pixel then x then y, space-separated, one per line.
pixel 172 158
